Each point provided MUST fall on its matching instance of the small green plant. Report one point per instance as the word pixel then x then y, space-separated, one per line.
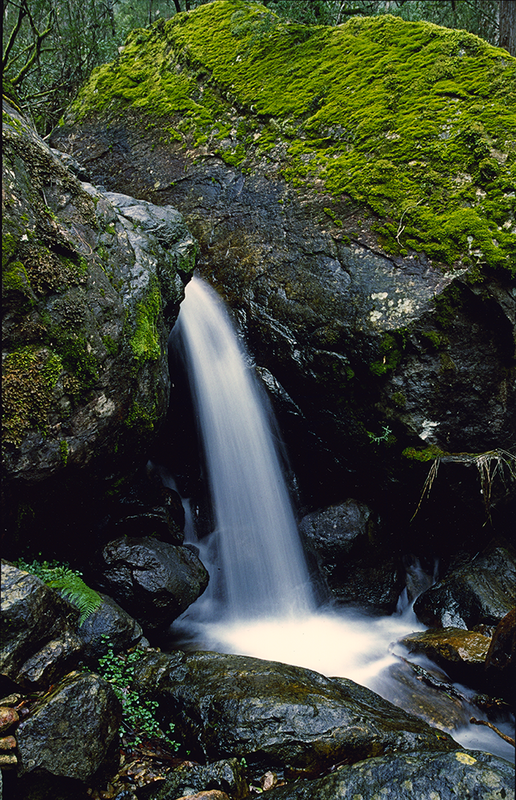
pixel 383 437
pixel 138 711
pixel 67 582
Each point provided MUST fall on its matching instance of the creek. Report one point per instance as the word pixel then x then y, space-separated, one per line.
pixel 261 600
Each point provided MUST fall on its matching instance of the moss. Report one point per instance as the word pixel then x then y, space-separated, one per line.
pixel 63 451
pixel 391 349
pixel 408 118
pixel 141 418
pixel 145 340
pixel 427 454
pixel 77 359
pixel 28 377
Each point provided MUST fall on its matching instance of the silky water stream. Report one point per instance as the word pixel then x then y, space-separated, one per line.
pixel 260 600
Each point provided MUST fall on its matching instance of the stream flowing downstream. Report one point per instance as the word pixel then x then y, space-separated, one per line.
pixel 260 600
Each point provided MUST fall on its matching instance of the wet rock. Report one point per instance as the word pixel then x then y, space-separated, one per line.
pixel 153 580
pixel 40 642
pixel 354 567
pixel 73 730
pixel 90 291
pixel 222 778
pixel 501 657
pixel 108 623
pixel 278 717
pixel 482 591
pixel 460 653
pixel 420 776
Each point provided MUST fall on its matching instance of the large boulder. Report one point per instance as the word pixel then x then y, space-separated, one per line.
pixel 276 716
pixel 91 286
pixel 420 776
pixel 73 730
pixel 350 192
pixel 153 580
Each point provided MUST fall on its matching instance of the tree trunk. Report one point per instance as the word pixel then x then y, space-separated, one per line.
pixel 507 36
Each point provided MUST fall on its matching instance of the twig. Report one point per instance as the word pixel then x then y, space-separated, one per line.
pixel 493 728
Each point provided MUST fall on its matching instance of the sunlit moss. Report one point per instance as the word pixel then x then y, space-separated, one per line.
pixel 414 120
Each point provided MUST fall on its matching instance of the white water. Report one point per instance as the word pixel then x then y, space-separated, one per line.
pixel 260 601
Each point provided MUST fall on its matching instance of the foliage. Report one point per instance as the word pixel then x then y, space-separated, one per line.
pixel 138 711
pixel 67 582
pixel 51 46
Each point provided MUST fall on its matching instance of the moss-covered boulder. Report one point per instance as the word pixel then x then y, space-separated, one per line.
pixel 89 295
pixel 352 190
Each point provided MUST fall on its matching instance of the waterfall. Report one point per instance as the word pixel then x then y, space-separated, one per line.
pixel 260 559
pixel 260 601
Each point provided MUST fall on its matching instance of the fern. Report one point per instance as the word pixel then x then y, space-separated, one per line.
pixel 67 582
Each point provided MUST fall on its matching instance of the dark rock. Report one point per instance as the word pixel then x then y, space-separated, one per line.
pixel 420 776
pixel 460 653
pixel 482 591
pixel 226 776
pixel 276 716
pixel 73 730
pixel 90 290
pixel 39 640
pixel 501 657
pixel 364 326
pixel 108 624
pixel 353 565
pixel 153 580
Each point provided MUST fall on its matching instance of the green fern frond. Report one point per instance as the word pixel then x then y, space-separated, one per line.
pixel 72 587
pixel 67 582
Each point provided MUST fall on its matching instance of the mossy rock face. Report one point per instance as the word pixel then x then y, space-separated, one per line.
pixel 84 378
pixel 351 189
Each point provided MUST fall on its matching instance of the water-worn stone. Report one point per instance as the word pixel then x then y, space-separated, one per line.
pixel 418 776
pixel 460 653
pixel 39 643
pixel 482 591
pixel 108 624
pixel 350 561
pixel 73 730
pixel 276 716
pixel 153 580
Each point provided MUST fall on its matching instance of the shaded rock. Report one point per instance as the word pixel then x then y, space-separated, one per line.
pixel 276 716
pixel 73 730
pixel 90 291
pixel 39 640
pixel 420 776
pixel 353 565
pixel 223 778
pixel 108 623
pixel 460 653
pixel 155 581
pixel 481 592
pixel 501 657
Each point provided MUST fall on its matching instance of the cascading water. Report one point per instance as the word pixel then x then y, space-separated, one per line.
pixel 260 601
pixel 260 557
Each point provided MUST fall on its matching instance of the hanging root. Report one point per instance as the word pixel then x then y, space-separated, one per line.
pixel 489 465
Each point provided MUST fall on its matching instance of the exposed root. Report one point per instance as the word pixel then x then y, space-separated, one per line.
pixel 493 728
pixel 494 463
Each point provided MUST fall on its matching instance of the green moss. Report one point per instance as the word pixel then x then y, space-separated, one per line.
pixel 428 454
pixel 28 377
pixel 144 419
pixel 416 121
pixel 391 349
pixel 145 340
pixel 77 359
pixel 63 450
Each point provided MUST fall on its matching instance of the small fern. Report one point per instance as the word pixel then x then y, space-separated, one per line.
pixel 67 582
